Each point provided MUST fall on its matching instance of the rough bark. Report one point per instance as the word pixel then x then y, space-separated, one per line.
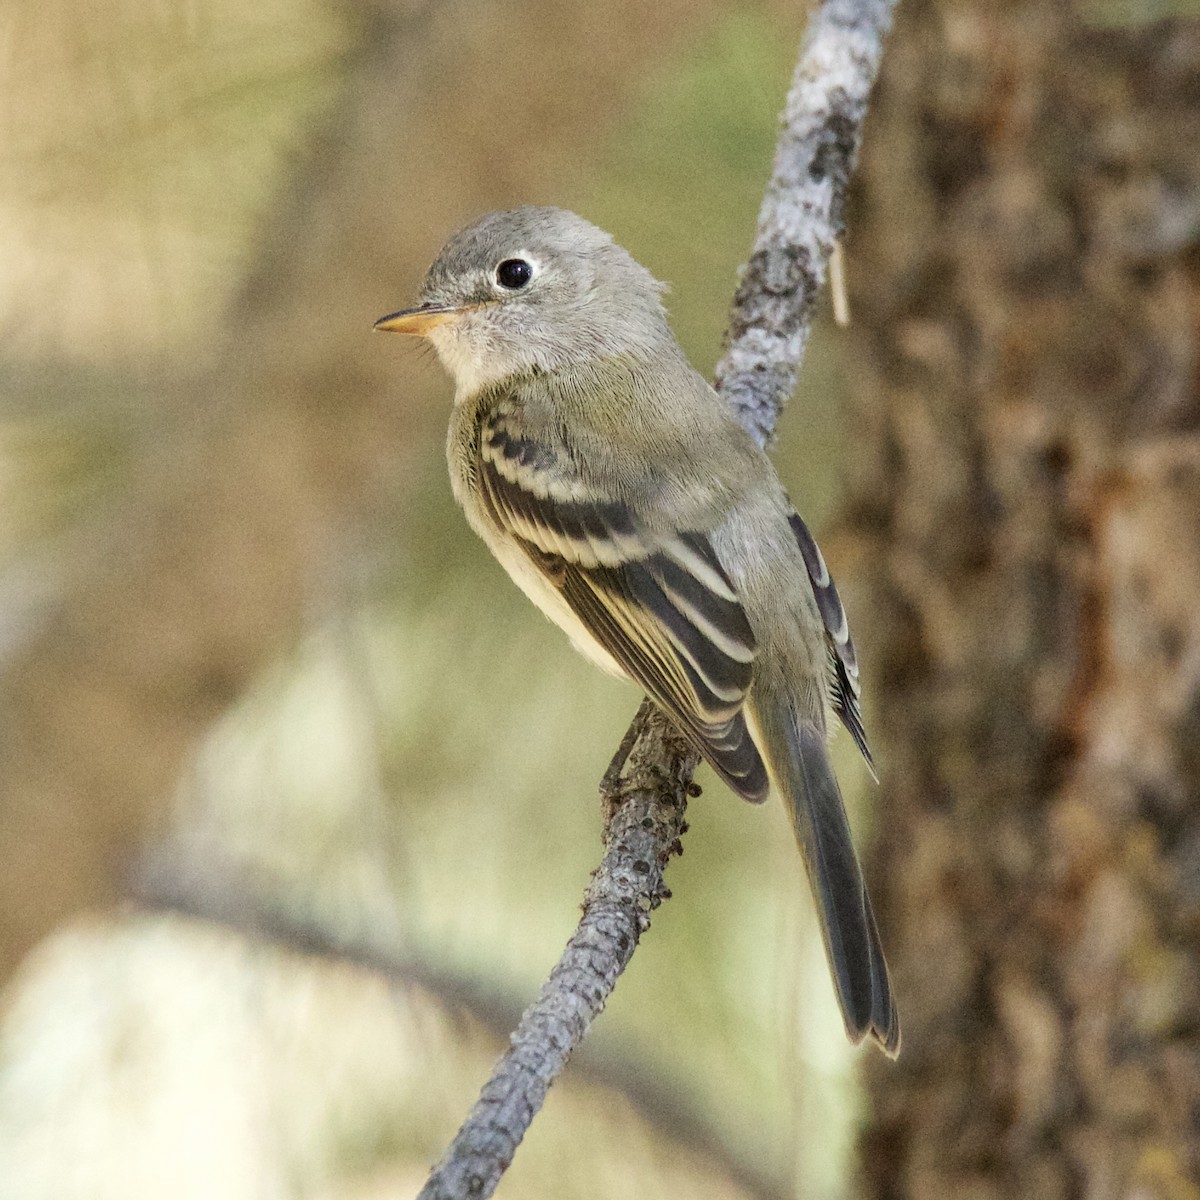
pixel 802 213
pixel 1025 265
pixel 645 807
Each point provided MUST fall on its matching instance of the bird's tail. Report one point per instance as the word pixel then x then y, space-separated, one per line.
pixel 799 765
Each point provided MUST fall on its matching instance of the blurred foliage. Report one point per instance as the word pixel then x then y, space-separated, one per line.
pixel 140 149
pixel 426 764
pixel 141 145
pixel 1136 12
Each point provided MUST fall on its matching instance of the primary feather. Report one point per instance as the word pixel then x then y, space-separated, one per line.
pixel 660 605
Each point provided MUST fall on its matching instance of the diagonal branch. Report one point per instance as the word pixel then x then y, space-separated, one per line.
pixel 229 895
pixel 645 789
pixel 801 216
pixel 643 824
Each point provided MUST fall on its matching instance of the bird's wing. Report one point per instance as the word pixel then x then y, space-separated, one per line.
pixel 846 691
pixel 662 606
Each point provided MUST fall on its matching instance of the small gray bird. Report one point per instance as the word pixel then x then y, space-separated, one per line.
pixel 623 497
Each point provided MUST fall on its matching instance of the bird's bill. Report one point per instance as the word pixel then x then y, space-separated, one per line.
pixel 417 321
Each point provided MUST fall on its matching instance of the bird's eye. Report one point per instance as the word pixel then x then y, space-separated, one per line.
pixel 514 273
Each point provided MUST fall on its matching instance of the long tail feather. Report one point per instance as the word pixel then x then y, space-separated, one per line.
pixel 799 765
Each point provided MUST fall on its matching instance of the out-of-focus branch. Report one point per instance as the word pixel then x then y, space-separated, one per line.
pixel 800 220
pixel 228 896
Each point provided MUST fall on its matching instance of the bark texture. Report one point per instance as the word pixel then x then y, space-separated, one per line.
pixel 227 896
pixel 802 213
pixel 1025 266
pixel 645 806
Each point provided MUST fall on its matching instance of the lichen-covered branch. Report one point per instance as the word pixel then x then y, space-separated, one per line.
pixel 801 215
pixel 800 220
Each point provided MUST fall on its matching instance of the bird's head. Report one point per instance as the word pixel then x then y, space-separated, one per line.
pixel 533 289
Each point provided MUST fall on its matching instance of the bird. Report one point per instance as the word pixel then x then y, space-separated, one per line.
pixel 624 498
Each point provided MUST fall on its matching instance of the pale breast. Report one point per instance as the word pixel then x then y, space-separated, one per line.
pixel 463 456
pixel 548 599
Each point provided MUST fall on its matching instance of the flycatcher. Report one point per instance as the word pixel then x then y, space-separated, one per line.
pixel 624 498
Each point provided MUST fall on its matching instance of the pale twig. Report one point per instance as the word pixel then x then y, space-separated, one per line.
pixel 800 220
pixel 838 292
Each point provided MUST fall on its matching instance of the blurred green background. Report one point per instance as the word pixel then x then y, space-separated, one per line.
pixel 351 714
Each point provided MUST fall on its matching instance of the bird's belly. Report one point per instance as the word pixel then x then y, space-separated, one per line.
pixel 549 599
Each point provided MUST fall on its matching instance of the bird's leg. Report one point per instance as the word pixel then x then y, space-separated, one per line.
pixel 610 782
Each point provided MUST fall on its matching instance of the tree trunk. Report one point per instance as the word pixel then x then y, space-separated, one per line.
pixel 1025 258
